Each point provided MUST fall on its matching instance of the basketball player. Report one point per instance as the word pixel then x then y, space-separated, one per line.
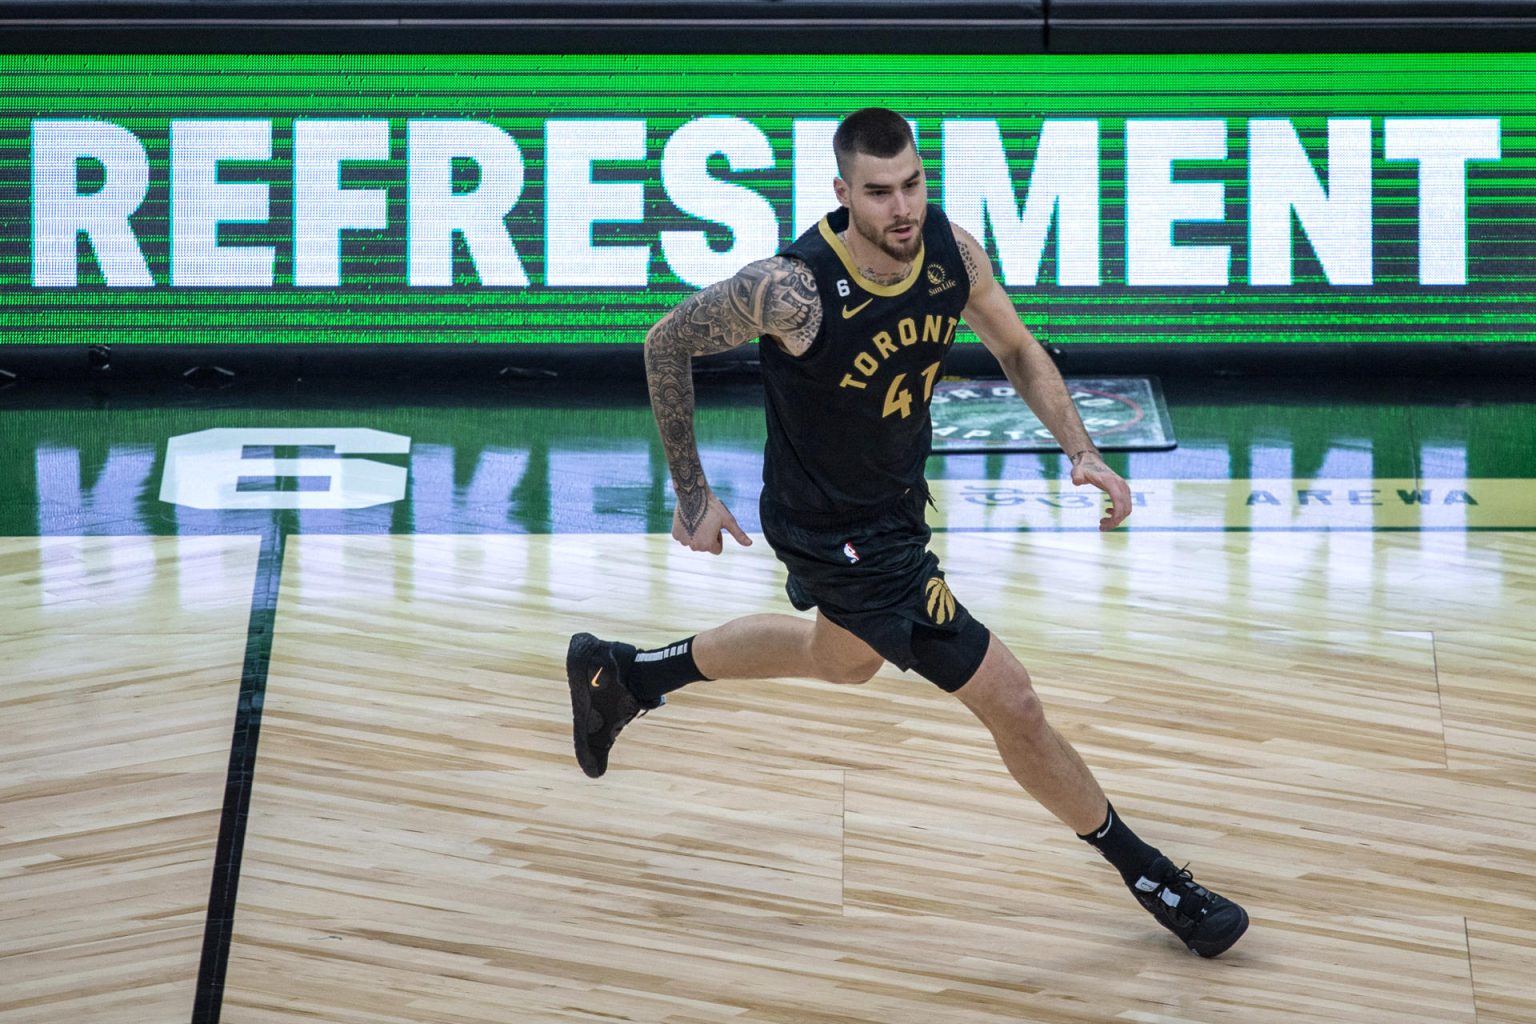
pixel 855 318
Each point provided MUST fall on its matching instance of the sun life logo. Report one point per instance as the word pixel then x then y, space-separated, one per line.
pixel 939 279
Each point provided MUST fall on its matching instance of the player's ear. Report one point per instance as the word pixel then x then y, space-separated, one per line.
pixel 840 187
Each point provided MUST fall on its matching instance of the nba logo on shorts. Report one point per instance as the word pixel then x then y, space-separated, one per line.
pixel 848 552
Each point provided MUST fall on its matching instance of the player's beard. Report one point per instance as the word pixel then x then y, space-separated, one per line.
pixel 901 251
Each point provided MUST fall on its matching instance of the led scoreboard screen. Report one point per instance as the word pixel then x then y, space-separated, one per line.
pixel 1205 199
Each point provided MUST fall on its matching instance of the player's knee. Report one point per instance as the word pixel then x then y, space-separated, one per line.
pixel 1018 705
pixel 1003 697
pixel 851 672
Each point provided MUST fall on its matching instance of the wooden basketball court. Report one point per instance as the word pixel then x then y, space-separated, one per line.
pixel 1336 728
pixel 324 424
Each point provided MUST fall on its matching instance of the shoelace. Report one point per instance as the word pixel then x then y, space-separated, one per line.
pixel 1190 889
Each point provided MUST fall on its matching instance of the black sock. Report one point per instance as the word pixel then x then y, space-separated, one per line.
pixel 1122 848
pixel 658 672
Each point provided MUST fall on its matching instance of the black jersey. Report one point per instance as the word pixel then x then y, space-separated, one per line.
pixel 848 426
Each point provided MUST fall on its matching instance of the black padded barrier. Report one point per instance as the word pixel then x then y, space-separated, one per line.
pixel 1283 26
pixel 765 26
pixel 563 26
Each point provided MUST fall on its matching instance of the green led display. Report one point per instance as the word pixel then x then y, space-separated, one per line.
pixel 549 199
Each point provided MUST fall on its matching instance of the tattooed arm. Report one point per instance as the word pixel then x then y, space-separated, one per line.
pixel 776 297
pixel 991 314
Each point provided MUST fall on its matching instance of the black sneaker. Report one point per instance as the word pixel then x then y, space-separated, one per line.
pixel 601 704
pixel 1205 922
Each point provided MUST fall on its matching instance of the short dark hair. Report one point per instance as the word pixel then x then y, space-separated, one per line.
pixel 873 131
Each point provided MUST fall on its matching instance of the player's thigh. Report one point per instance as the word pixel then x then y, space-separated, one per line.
pixel 842 656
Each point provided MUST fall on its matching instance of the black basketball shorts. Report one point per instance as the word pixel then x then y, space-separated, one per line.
pixel 877 579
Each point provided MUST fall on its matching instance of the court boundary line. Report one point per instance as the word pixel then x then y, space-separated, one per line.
pixel 218 929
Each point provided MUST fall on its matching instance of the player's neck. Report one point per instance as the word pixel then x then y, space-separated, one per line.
pixel 874 262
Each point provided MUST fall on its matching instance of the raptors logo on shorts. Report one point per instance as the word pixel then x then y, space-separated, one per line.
pixel 941 603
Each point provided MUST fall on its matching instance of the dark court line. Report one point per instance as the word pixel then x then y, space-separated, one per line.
pixel 220 925
pixel 1237 529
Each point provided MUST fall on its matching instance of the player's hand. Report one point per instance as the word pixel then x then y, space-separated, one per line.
pixel 708 535
pixel 1089 468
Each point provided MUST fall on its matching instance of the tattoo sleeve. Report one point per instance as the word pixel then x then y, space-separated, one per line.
pixel 773 296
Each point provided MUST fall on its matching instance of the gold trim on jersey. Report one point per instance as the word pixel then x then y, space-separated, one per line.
pixel 843 254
